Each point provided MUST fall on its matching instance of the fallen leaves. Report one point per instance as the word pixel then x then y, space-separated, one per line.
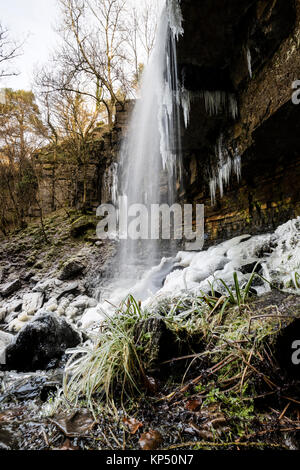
pixel 75 424
pixel 67 445
pixel 150 440
pixel 193 405
pixel 132 424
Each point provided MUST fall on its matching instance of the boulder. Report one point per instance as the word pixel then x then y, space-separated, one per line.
pixel 40 342
pixel 67 289
pixel 10 288
pixel 249 268
pixel 83 302
pixel 5 340
pixel 82 225
pixel 32 302
pixel 71 269
pixel 47 286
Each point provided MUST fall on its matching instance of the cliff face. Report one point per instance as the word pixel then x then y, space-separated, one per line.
pixel 243 53
pixel 61 179
pixel 237 62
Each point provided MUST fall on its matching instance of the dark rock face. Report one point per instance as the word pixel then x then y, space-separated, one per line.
pixel 10 288
pixel 72 269
pixel 211 52
pixel 40 342
pixel 288 349
pixel 250 268
pixel 219 36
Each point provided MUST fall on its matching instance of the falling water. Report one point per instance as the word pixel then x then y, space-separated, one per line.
pixel 151 153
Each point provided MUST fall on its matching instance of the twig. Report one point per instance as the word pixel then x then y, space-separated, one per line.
pixel 245 370
pixel 220 444
pixel 284 411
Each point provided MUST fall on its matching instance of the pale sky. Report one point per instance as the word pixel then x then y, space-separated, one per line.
pixel 31 20
pixel 34 20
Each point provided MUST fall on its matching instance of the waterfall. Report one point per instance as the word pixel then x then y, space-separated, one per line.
pixel 150 157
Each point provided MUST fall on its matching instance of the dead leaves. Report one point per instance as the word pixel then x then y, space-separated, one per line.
pixel 75 424
pixel 150 440
pixel 67 445
pixel 193 405
pixel 132 424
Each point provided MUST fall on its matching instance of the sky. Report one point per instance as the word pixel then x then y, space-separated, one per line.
pixel 33 21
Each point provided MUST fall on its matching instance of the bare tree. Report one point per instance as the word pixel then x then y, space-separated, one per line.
pixel 147 25
pixel 9 50
pixel 93 53
pixel 104 43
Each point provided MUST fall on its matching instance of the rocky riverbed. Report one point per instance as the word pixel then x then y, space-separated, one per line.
pixel 48 285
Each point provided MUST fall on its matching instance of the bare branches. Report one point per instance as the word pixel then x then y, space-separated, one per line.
pixel 9 50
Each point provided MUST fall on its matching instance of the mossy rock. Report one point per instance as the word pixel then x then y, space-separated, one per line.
pixel 82 225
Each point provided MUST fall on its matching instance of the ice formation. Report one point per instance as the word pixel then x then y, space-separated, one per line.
pixel 277 253
pixel 223 171
pixel 249 62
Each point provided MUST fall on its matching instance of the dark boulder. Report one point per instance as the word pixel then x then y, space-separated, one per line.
pixel 71 269
pixel 252 267
pixel 40 342
pixel 10 288
pixel 82 225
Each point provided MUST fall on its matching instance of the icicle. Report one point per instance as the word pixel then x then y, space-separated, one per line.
pixel 216 102
pixel 114 183
pixel 175 18
pixel 237 166
pixel 186 106
pixel 249 62
pixel 225 167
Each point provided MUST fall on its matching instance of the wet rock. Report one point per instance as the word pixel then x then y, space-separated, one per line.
pixel 47 286
pixel 24 387
pixel 10 288
pixel 83 302
pixel 40 341
pixel 71 269
pixel 251 267
pixel 67 289
pixel 82 225
pixel 32 302
pixel 28 276
pixel 56 289
pixel 5 340
pixel 10 310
